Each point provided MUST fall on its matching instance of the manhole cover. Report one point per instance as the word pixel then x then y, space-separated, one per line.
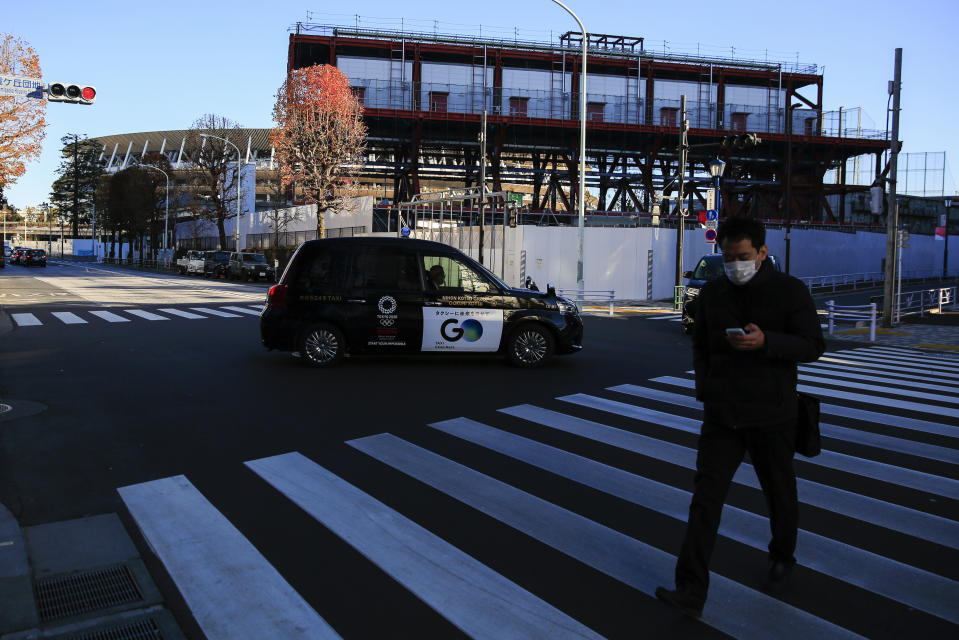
pixel 5 407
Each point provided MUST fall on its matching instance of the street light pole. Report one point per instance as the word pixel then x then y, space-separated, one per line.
pixel 787 197
pixel 945 250
pixel 166 223
pixel 236 233
pixel 716 169
pixel 582 156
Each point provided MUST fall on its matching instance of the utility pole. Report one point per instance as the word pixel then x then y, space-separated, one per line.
pixel 680 200
pixel 892 218
pixel 482 184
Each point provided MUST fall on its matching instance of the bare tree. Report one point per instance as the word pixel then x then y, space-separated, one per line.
pixel 212 170
pixel 281 214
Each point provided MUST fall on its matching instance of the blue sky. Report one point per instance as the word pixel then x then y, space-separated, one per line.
pixel 161 65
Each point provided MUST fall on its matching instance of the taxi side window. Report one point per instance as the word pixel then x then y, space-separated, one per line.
pixel 386 268
pixel 450 275
pixel 324 272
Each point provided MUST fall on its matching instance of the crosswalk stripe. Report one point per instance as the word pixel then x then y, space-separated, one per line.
pixel 626 559
pixel 68 318
pixel 183 314
pixel 479 601
pixel 671 316
pixel 215 312
pixel 903 360
pixel 909 392
pixel 231 589
pixel 884 514
pixel 242 310
pixel 880 375
pixel 26 319
pixel 145 314
pixel 109 316
pixel 916 356
pixel 883 366
pixel 843 395
pixel 893 420
pixel 258 308
pixel 914 587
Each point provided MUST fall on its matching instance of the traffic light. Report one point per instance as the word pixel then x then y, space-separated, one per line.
pixel 740 141
pixel 75 93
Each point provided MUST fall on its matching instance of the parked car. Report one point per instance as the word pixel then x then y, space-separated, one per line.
pixel 403 296
pixel 250 266
pixel 709 267
pixel 215 263
pixel 191 263
pixel 33 256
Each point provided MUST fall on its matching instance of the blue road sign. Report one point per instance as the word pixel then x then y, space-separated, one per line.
pixel 712 214
pixel 710 235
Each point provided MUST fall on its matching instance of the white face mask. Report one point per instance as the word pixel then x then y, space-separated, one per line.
pixel 740 272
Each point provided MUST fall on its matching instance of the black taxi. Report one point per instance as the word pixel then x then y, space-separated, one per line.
pixel 377 295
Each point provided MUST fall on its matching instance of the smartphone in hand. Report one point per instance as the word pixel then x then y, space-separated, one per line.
pixel 735 331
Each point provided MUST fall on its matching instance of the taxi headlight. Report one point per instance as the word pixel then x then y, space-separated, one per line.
pixel 566 306
pixel 692 292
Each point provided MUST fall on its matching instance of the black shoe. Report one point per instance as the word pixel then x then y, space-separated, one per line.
pixel 681 599
pixel 778 575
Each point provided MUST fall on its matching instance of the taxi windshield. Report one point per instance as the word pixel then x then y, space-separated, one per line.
pixel 709 268
pixel 254 257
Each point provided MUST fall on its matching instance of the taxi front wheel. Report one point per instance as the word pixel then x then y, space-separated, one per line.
pixel 321 345
pixel 530 346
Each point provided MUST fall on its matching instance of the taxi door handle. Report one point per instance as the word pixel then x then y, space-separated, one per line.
pixel 360 300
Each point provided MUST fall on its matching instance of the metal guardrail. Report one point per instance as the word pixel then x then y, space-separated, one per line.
pixel 596 295
pixel 864 280
pixel 910 303
pixel 852 313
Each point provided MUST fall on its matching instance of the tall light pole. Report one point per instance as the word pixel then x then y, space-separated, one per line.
pixel 582 156
pixel 787 197
pixel 236 233
pixel 716 168
pixel 166 223
pixel 945 250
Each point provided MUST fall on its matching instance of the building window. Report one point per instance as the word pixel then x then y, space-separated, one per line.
pixel 360 94
pixel 737 121
pixel 809 127
pixel 669 117
pixel 519 107
pixel 438 101
pixel 594 111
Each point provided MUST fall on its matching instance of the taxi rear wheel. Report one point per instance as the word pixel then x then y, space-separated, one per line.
pixel 530 346
pixel 322 345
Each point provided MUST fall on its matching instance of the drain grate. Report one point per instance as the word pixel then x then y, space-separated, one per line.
pixel 84 592
pixel 139 630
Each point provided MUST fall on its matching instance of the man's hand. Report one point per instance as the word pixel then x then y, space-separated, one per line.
pixel 754 339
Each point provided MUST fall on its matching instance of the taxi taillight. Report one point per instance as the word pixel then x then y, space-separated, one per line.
pixel 277 296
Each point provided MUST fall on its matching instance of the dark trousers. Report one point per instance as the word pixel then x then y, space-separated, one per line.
pixel 720 453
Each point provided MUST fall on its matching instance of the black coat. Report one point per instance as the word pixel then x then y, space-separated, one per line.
pixel 754 388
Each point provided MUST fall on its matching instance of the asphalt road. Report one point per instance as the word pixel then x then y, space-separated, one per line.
pixel 101 404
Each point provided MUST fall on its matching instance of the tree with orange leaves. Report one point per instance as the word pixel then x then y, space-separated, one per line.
pixel 22 122
pixel 320 137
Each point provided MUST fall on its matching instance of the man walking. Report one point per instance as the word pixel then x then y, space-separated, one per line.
pixel 752 327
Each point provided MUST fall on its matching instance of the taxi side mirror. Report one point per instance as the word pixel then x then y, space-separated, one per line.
pixel 688 274
pixel 550 290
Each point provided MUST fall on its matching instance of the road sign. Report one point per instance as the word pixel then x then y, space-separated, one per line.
pixel 710 236
pixel 710 198
pixel 712 214
pixel 21 87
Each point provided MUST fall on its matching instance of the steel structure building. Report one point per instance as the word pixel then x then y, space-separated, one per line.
pixel 424 94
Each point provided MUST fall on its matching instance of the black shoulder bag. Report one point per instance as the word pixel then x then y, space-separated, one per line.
pixel 807 426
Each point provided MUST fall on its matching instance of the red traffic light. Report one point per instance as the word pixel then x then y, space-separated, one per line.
pixel 73 93
pixel 88 93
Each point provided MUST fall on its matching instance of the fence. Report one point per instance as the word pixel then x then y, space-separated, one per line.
pixel 919 302
pixel 296 238
pixel 606 297
pixel 852 313
pixel 865 280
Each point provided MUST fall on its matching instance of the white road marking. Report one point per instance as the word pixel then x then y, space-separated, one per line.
pixel 671 316
pixel 914 356
pixel 842 395
pixel 26 319
pixel 214 312
pixel 911 586
pixel 827 368
pixel 901 360
pixel 242 310
pixel 109 317
pixel 476 599
pixel 625 559
pixel 183 314
pixel 145 314
pixel 883 366
pixel 231 589
pixel 68 318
